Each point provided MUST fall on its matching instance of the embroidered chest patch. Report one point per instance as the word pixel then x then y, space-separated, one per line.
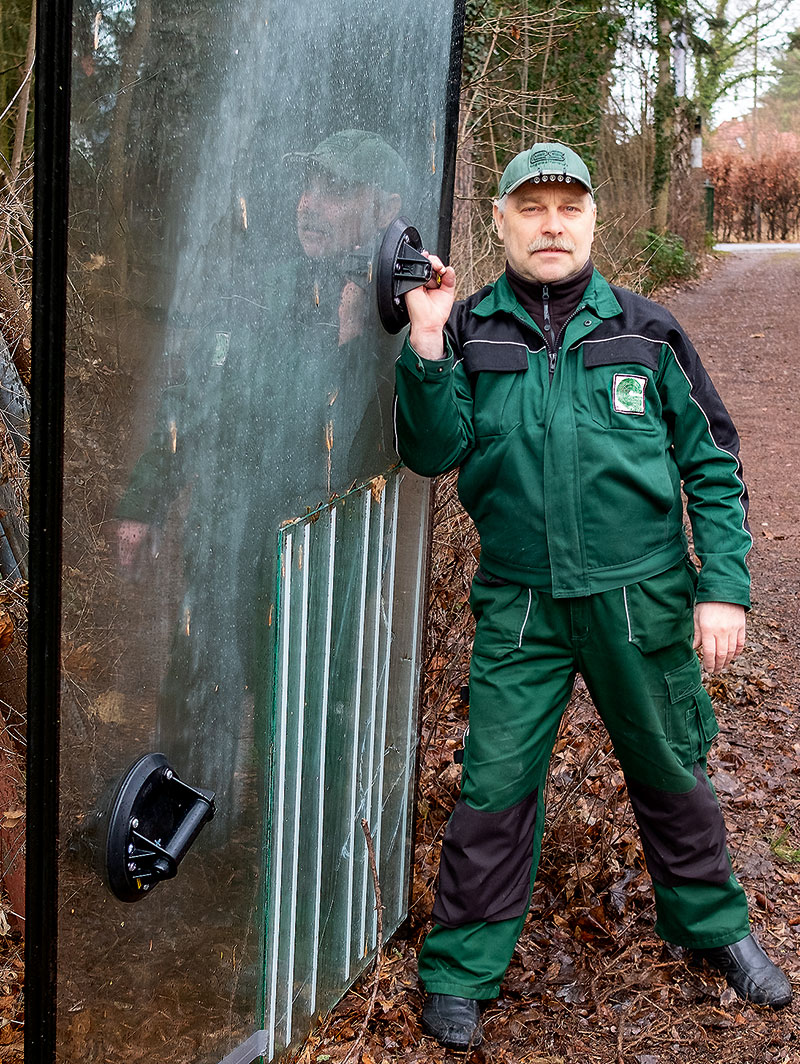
pixel 222 343
pixel 627 393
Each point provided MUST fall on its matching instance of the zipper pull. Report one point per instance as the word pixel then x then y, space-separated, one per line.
pixel 549 337
pixel 548 327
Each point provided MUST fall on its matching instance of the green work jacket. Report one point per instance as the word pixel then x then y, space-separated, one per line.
pixel 572 467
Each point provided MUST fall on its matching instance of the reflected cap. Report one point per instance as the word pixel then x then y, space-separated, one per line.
pixel 357 156
pixel 545 162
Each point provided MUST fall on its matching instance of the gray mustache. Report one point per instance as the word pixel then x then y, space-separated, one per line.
pixel 542 243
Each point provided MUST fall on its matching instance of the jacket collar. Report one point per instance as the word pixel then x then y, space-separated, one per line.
pixel 598 296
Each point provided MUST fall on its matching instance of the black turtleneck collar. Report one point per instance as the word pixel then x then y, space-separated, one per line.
pixel 563 296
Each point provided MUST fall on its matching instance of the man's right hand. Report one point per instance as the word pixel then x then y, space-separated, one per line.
pixel 131 536
pixel 429 308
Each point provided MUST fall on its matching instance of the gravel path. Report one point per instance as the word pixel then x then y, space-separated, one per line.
pixel 745 321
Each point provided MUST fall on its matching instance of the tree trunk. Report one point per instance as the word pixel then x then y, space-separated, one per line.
pixel 663 118
pixel 116 185
pixel 463 237
pixel 24 98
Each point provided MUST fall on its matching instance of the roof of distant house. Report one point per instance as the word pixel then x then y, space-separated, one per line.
pixel 735 137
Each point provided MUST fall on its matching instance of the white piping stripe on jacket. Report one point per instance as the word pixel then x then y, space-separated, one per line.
pixel 722 450
pixel 499 343
pixel 626 336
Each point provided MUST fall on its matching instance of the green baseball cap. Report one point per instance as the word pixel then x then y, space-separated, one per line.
pixel 545 162
pixel 357 156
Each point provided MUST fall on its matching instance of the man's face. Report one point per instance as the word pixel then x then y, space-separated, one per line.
pixel 547 230
pixel 334 217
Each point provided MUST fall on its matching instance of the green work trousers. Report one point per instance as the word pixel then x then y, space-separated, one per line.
pixel 633 647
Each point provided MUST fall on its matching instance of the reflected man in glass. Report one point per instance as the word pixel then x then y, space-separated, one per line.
pixel 283 403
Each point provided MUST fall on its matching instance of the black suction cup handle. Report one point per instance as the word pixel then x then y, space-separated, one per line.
pixel 153 819
pixel 401 268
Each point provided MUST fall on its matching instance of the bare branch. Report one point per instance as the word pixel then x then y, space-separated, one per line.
pixel 358 1045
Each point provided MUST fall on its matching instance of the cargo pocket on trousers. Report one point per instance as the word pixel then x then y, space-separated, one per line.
pixel 690 723
pixel 705 723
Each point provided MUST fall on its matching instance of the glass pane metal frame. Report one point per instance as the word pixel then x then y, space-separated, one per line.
pixel 305 970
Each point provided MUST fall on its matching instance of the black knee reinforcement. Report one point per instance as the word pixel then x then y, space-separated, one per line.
pixel 485 870
pixel 683 835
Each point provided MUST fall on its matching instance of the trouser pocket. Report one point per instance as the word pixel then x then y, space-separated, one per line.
pixel 502 614
pixel 690 723
pixel 660 610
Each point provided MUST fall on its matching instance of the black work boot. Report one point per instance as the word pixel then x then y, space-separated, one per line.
pixel 454 1022
pixel 750 972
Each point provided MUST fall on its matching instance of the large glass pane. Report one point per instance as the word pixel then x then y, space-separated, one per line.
pixel 243 560
pixel 342 758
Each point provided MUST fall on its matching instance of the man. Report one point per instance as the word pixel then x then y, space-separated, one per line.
pixel 279 405
pixel 575 409
pixel 353 186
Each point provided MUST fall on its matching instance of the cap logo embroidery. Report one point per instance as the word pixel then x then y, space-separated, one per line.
pixel 541 158
pixel 627 393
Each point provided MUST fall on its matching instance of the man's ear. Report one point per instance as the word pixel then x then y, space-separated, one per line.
pixel 497 216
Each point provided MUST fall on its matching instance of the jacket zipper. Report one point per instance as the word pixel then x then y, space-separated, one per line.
pixel 552 341
pixel 549 337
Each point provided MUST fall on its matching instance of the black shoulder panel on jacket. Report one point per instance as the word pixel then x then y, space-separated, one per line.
pixel 492 344
pixel 462 308
pixel 634 337
pixel 641 315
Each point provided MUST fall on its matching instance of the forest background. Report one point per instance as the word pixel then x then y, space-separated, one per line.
pixel 637 86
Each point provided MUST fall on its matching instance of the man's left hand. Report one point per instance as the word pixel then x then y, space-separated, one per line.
pixel 719 628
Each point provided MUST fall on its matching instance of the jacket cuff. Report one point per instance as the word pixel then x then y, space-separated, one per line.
pixel 425 368
pixel 717 591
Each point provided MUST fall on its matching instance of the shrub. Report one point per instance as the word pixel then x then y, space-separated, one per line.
pixel 745 188
pixel 665 259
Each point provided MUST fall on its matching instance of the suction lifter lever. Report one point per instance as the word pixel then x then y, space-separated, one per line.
pixel 153 820
pixel 401 268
